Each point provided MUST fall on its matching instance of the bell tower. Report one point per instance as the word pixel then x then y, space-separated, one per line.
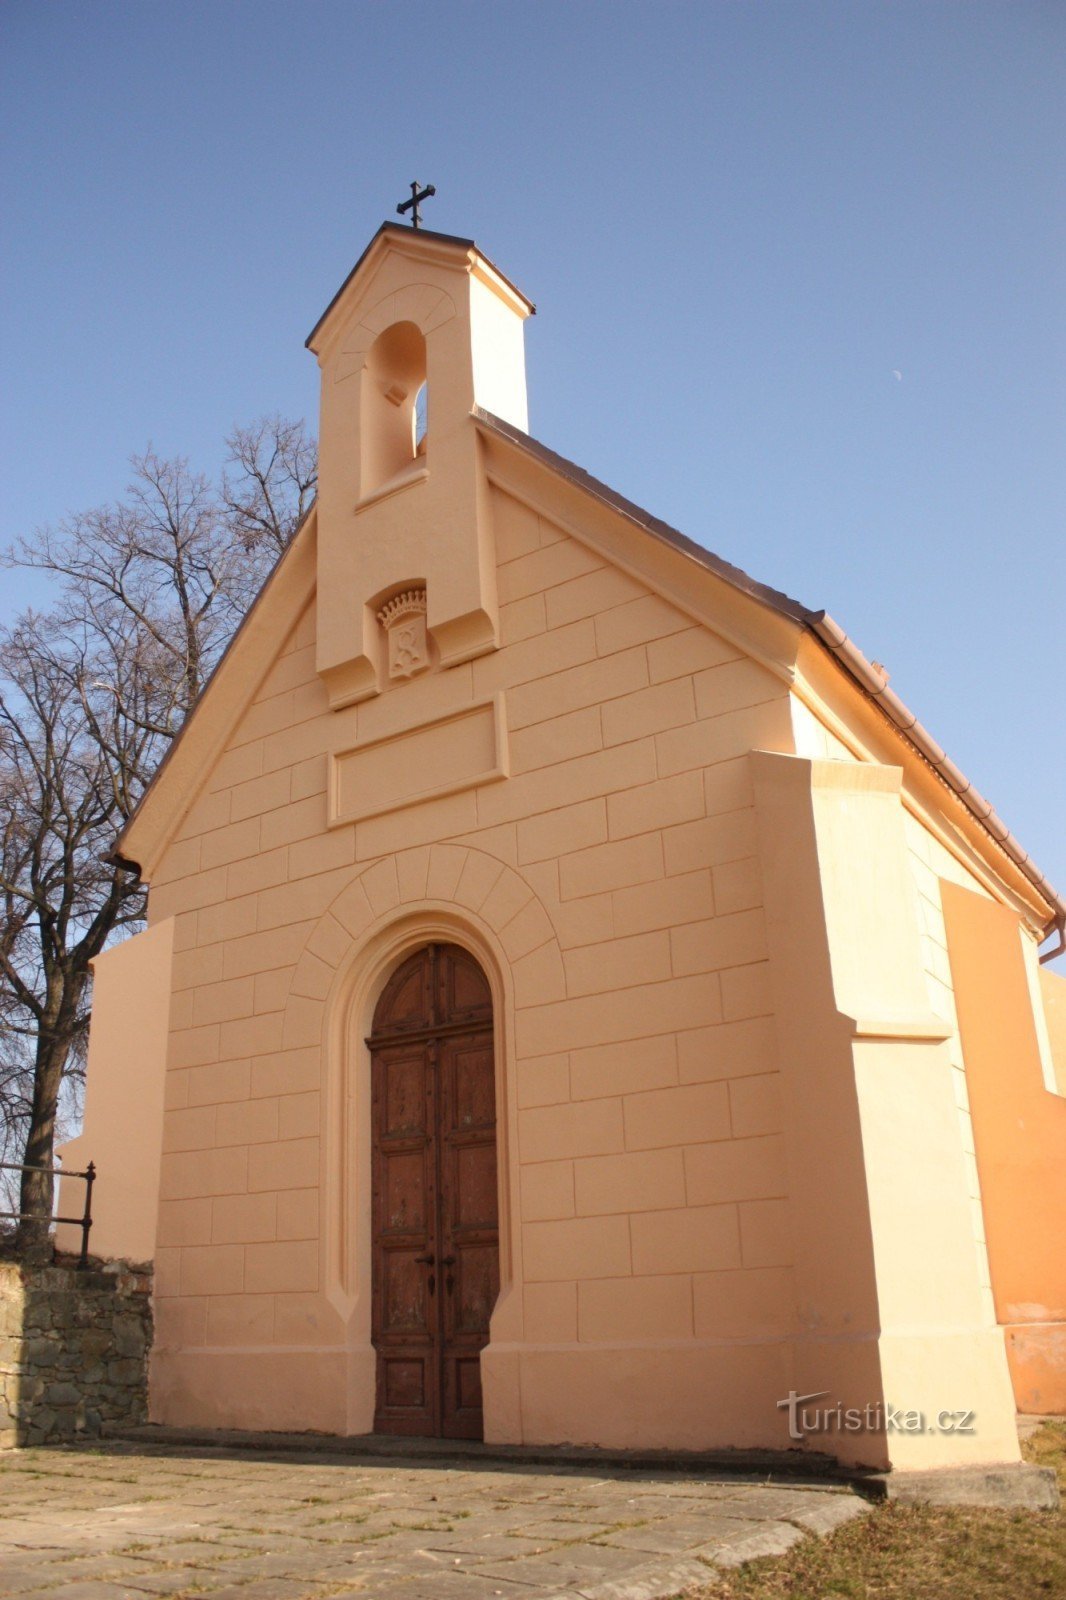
pixel 424 329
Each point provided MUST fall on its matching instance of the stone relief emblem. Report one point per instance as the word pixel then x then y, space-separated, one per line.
pixel 404 621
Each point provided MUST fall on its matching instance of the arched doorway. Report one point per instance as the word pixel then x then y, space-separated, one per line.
pixel 434 1209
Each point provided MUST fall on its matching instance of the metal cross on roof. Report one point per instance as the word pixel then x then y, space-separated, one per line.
pixel 412 205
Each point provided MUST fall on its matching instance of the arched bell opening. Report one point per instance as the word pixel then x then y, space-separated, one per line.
pixel 393 377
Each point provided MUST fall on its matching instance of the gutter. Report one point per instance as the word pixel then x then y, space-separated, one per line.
pixel 874 680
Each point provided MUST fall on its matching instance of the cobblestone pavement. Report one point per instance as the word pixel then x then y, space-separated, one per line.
pixel 120 1521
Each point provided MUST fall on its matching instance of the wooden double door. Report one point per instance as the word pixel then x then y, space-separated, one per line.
pixel 435 1216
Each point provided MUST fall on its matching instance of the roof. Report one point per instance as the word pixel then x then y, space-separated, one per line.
pixel 576 475
pixel 407 233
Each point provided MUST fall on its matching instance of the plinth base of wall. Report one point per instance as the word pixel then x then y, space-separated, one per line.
pixel 1020 1486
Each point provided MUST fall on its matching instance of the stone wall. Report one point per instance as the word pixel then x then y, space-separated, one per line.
pixel 73 1350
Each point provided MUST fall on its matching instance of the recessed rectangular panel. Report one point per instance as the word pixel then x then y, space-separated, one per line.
pixel 464 988
pixel 441 757
pixel 477 1286
pixel 476 1197
pixel 405 1192
pixel 404 1382
pixel 404 1310
pixel 468 1383
pixel 474 1084
pixel 405 1093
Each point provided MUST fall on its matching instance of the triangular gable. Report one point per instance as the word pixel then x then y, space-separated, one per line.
pixel 765 623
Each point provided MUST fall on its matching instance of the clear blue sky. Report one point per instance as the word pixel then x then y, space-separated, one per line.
pixel 799 273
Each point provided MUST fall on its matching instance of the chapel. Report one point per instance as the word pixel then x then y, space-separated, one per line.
pixel 580 1002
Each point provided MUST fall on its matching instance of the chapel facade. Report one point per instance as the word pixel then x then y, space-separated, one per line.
pixel 579 1002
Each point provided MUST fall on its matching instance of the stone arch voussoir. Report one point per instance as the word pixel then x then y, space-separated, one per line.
pixel 472 884
pixel 424 304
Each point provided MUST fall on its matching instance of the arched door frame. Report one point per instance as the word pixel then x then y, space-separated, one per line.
pixel 357 987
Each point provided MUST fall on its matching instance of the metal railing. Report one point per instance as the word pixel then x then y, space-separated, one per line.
pixel 84 1222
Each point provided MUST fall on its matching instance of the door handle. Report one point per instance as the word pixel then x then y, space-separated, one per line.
pixel 447 1261
pixel 427 1261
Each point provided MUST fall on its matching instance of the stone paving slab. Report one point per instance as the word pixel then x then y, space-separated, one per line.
pixel 128 1521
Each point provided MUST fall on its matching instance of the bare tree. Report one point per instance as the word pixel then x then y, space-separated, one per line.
pixel 277 469
pixel 61 900
pixel 149 593
pixel 16 1056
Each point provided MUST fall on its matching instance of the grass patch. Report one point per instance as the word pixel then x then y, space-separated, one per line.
pixel 1047 1448
pixel 358 1538
pixel 422 1527
pixel 921 1552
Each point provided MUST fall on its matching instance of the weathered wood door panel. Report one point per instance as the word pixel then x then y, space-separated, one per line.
pixel 404 1203
pixel 435 1210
